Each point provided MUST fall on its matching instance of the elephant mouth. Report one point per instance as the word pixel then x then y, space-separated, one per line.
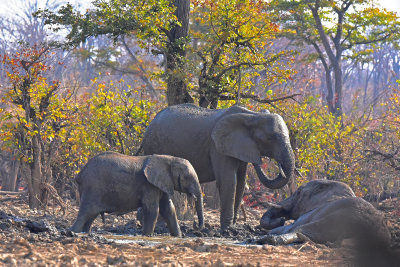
pixel 285 172
pixel 273 162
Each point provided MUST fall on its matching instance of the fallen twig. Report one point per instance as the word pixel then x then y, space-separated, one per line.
pixel 12 192
pixel 53 192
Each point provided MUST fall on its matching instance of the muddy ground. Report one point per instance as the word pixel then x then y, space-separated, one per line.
pixel 30 238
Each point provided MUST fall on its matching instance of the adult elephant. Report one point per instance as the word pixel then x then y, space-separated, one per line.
pixel 219 144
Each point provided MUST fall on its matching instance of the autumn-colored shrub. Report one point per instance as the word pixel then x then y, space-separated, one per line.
pixel 114 118
pixel 360 149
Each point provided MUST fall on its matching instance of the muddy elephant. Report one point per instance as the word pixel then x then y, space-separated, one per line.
pixel 114 183
pixel 325 212
pixel 220 144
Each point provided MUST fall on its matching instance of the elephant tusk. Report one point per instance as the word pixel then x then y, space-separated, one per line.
pixel 281 171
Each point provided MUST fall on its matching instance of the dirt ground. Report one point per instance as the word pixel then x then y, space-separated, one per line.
pixel 30 238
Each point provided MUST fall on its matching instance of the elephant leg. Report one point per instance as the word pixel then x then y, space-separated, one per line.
pixel 167 210
pixel 85 218
pixel 320 232
pixel 240 185
pixel 150 215
pixel 89 221
pixel 225 171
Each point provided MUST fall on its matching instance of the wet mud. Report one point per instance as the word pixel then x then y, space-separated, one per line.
pixel 29 238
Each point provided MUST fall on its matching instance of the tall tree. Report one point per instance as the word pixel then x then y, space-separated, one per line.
pixel 160 26
pixel 234 41
pixel 334 29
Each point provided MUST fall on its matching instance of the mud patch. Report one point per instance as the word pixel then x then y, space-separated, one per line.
pixel 32 238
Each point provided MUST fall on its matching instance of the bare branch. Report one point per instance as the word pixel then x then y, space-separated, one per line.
pixel 257 98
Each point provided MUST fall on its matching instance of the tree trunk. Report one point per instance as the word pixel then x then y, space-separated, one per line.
pixel 337 66
pixel 334 59
pixel 10 179
pixel 176 86
pixel 36 176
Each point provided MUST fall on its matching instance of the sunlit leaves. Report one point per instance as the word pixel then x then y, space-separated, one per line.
pixel 146 19
pixel 335 148
pixel 70 127
pixel 35 107
pixel 232 37
pixel 112 118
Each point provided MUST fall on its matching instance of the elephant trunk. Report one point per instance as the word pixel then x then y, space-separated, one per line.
pixel 286 168
pixel 273 218
pixel 199 210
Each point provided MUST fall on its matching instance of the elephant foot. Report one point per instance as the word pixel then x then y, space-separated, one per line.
pixel 75 229
pixel 197 226
pixel 283 239
pixel 179 234
pixel 229 231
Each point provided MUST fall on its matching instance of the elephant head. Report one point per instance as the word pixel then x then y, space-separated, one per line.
pixel 182 177
pixel 248 137
pixel 313 195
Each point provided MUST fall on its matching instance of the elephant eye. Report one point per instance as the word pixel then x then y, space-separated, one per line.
pixel 260 135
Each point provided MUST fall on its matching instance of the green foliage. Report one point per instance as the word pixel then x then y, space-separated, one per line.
pixel 339 148
pixel 229 37
pixel 232 37
pixel 109 119
pixel 146 19
pixel 363 22
pixel 54 128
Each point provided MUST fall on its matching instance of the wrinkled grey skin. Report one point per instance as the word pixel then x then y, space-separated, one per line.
pixel 307 197
pixel 114 183
pixel 327 212
pixel 219 144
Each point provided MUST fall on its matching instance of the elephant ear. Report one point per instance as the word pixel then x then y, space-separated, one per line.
pixel 157 170
pixel 231 136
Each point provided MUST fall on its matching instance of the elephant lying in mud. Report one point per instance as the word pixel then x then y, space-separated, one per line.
pixel 219 144
pixel 114 183
pixel 325 212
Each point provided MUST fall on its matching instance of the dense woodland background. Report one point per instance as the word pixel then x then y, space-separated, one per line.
pixel 77 82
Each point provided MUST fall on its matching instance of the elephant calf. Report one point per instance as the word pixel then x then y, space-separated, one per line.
pixel 325 212
pixel 114 183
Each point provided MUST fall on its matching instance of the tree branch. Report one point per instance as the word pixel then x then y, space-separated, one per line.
pixel 257 98
pixel 391 158
pixel 142 77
